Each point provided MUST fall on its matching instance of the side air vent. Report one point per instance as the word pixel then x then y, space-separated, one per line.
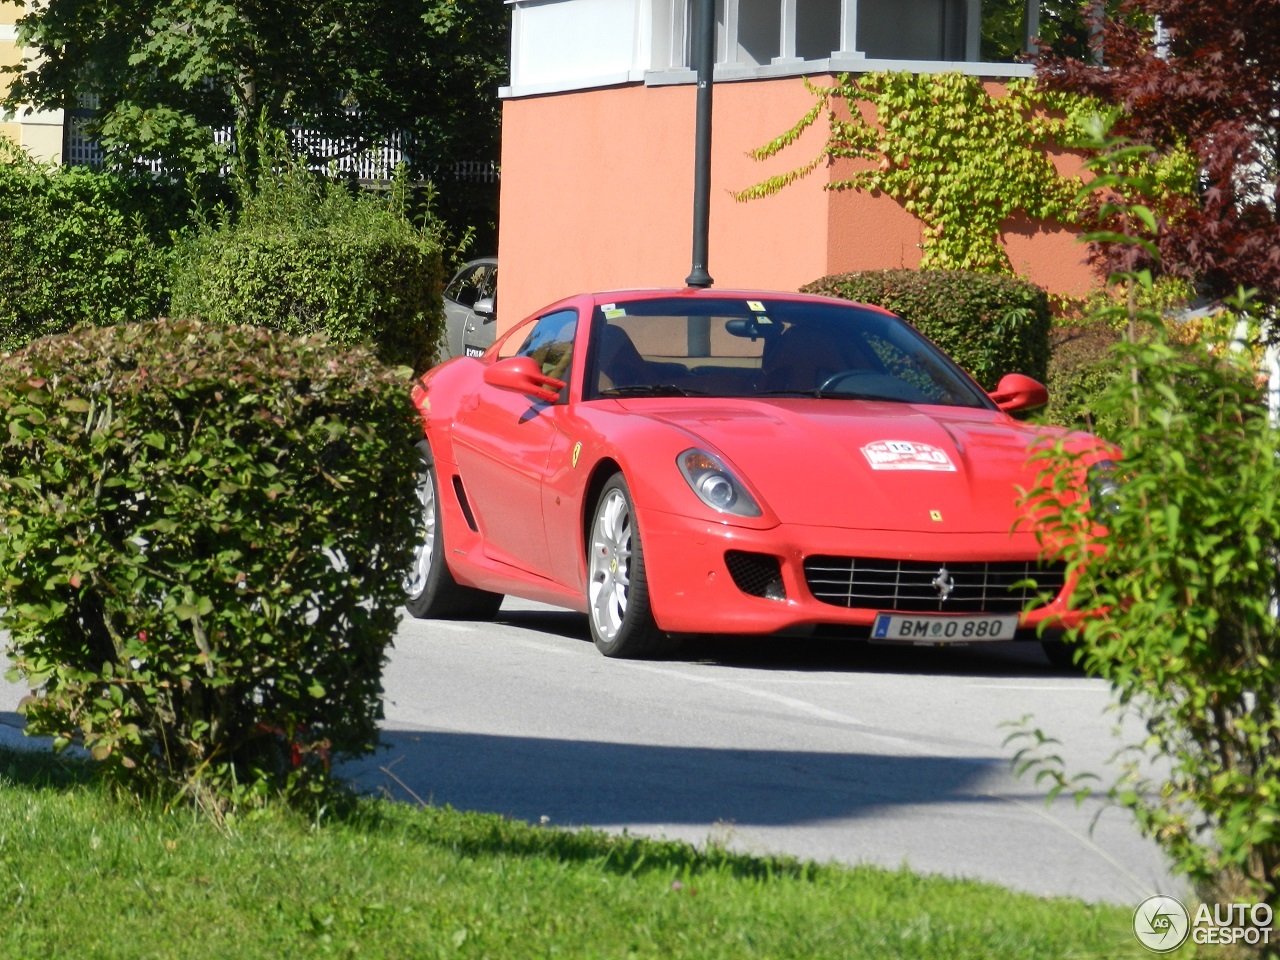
pixel 757 574
pixel 464 504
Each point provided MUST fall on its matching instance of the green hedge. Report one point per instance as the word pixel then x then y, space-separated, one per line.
pixel 1080 369
pixel 76 246
pixel 307 256
pixel 205 529
pixel 990 324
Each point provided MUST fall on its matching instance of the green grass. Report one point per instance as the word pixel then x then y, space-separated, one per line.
pixel 86 874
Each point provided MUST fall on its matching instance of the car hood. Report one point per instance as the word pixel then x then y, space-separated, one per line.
pixel 869 465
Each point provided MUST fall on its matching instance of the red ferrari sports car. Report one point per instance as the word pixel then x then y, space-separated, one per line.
pixel 678 462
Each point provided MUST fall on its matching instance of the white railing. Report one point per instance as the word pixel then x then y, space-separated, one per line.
pixel 374 163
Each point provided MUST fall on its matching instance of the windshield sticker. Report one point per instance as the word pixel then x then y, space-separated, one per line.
pixel 906 455
pixel 755 305
pixel 612 311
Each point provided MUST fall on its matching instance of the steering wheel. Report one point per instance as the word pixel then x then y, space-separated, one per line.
pixel 838 377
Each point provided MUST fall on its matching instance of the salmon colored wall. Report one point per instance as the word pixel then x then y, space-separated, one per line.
pixel 864 232
pixel 597 194
pixel 1050 255
pixel 868 231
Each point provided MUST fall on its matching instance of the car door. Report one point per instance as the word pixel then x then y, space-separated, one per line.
pixel 502 440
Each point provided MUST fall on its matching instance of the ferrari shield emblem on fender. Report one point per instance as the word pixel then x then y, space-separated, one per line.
pixel 577 450
pixel 935 516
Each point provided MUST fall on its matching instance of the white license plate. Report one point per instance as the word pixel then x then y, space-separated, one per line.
pixel 915 628
pixel 474 351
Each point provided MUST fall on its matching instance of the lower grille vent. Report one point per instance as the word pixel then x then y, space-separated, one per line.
pixel 913 586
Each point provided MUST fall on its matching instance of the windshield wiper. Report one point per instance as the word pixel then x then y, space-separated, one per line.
pixel 651 390
pixel 824 395
pixel 854 395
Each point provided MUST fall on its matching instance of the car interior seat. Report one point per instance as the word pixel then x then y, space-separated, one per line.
pixel 618 362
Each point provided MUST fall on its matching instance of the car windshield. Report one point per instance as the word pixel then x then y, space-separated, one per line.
pixel 733 347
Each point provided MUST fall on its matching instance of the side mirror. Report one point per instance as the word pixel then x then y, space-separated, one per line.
pixel 484 307
pixel 524 375
pixel 1017 392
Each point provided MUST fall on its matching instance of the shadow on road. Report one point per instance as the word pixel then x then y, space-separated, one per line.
pixel 587 783
pixel 1018 659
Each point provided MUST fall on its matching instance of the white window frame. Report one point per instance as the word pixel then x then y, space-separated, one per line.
pixel 662 49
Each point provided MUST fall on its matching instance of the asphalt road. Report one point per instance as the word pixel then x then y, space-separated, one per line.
pixel 824 750
pixel 828 750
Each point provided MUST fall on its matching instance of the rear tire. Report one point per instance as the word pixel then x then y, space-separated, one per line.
pixel 618 608
pixel 431 592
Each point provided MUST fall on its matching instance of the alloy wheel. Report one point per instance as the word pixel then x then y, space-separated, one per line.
pixel 609 573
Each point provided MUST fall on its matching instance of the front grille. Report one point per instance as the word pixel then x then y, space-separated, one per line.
pixel 757 574
pixel 913 586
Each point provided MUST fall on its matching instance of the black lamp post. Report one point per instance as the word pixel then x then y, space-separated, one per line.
pixel 704 52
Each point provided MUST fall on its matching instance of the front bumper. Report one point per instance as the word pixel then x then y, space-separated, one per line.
pixel 692 590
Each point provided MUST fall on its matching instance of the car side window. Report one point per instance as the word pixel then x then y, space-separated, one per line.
pixel 473 284
pixel 487 281
pixel 550 342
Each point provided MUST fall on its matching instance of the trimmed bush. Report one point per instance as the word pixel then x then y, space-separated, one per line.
pixel 1081 367
pixel 991 325
pixel 307 256
pixel 79 246
pixel 205 532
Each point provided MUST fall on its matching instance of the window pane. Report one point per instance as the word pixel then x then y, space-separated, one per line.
pixel 759 31
pixel 817 28
pixel 550 342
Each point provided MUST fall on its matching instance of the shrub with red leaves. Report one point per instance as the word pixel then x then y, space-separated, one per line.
pixel 1209 79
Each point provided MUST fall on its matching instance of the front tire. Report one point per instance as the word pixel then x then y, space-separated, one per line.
pixel 431 592
pixel 1061 653
pixel 618 608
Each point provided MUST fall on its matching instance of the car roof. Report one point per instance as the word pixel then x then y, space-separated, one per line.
pixel 478 261
pixel 709 293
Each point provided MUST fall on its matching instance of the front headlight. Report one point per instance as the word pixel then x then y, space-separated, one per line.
pixel 715 484
pixel 1104 487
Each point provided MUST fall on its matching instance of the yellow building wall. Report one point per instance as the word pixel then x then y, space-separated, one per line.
pixel 39 133
pixel 8 55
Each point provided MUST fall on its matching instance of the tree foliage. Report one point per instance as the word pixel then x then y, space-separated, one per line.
pixel 1181 578
pixel 1063 28
pixel 1173 557
pixel 1207 80
pixel 168 73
